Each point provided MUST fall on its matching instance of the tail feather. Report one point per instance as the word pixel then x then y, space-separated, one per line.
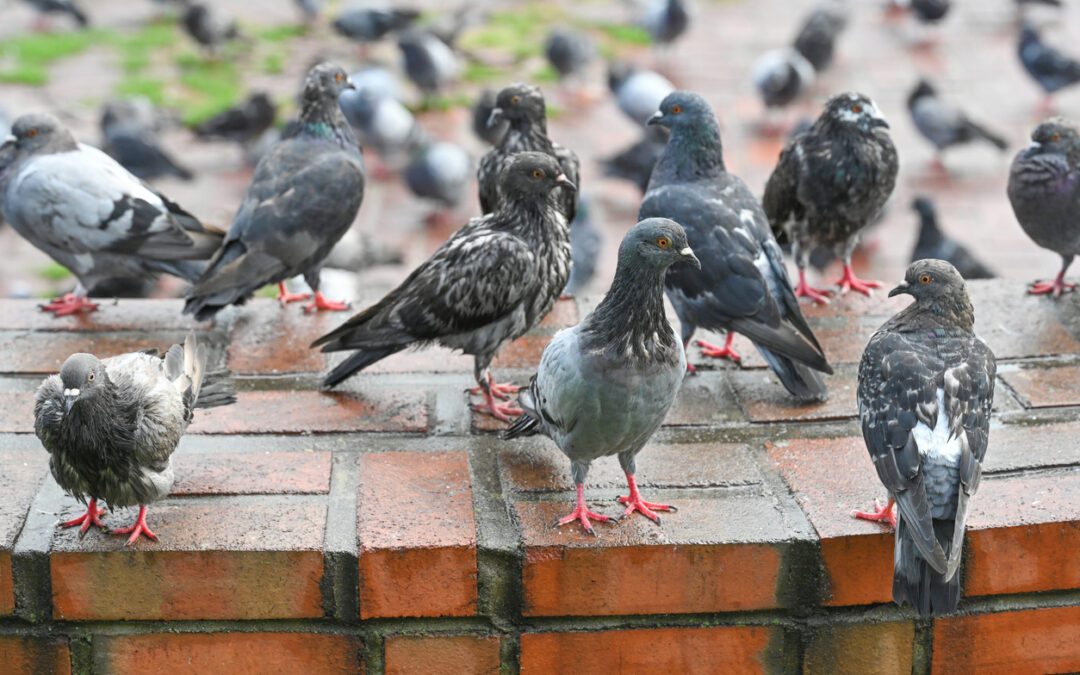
pixel 355 363
pixel 526 425
pixel 800 380
pixel 783 340
pixel 915 582
pixel 217 389
pixel 982 132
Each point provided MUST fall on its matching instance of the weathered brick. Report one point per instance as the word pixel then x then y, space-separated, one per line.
pixel 860 649
pixel 30 655
pixel 417 537
pixel 523 353
pixel 1045 387
pixel 1031 641
pixel 442 655
pixel 134 315
pixel 294 412
pixel 764 399
pixel 251 473
pixel 16 412
pixel 267 338
pixel 21 473
pixel 237 653
pixel 1029 446
pixel 44 353
pixel 1019 326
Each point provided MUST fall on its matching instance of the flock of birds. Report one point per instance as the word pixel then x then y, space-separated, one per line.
pixel 603 387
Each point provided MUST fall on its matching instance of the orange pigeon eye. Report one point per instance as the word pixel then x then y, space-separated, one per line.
pixel 663 242
pixel 32 133
pixel 856 108
pixel 1055 138
pixel 339 77
pixel 925 279
pixel 676 109
pixel 514 100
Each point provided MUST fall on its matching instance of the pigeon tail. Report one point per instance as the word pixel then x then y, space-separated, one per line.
pixel 800 380
pixel 984 133
pixel 915 581
pixel 782 341
pixel 355 363
pixel 217 390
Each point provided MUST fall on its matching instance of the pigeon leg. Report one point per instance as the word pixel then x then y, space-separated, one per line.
pixel 634 502
pixel 1054 288
pixel 91 517
pixel 582 514
pixel 285 297
pixel 491 390
pixel 500 391
pixel 725 352
pixel 805 290
pixel 139 527
pixel 69 304
pixel 321 304
pixel 880 514
pixel 849 282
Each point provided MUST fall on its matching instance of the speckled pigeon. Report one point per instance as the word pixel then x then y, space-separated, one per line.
pixel 830 183
pixel 522 106
pixel 816 39
pixel 604 386
pixel 241 123
pixel 92 216
pixel 111 426
pixel 127 139
pixel 638 91
pixel 441 172
pixel 926 388
pixel 945 125
pixel 496 278
pixel 932 243
pixel 1051 69
pixel 1044 189
pixel 742 286
pixel 302 199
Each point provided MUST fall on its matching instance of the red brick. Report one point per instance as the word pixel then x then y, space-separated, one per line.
pixel 764 399
pixel 21 473
pixel 267 338
pixel 240 559
pixel 860 649
pixel 294 412
pixel 25 655
pixel 687 651
pixel 1018 326
pixel 1027 446
pixel 252 473
pixel 426 360
pixel 1009 643
pixel 44 353
pixel 563 315
pixel 1045 387
pixel 523 353
pixel 417 537
pixel 235 653
pixel 442 655
pixel 134 315
pixel 704 400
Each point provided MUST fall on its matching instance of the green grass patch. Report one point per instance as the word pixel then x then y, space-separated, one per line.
pixel 267 292
pixel 273 64
pixel 622 34
pixel 519 32
pixel 134 86
pixel 281 33
pixel 481 72
pixel 137 49
pixel 442 103
pixel 545 75
pixel 53 272
pixel 210 86
pixel 25 59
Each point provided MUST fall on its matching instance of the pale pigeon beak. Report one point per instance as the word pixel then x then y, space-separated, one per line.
pixel 565 182
pixel 70 396
pixel 688 255
pixel 904 287
pixel 495 117
pixel 349 84
pixel 10 139
pixel 879 122
pixel 656 118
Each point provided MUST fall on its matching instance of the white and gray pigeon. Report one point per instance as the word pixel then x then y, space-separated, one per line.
pixel 926 388
pixel 832 181
pixel 933 243
pixel 303 197
pixel 742 286
pixel 638 91
pixel 666 21
pixel 1044 190
pixel 385 126
pixel 522 107
pixel 376 81
pixel 781 76
pixel 127 138
pixel 816 39
pixel 440 171
pixel 430 63
pixel 604 386
pixel 111 426
pixel 943 124
pixel 92 216
pixel 490 283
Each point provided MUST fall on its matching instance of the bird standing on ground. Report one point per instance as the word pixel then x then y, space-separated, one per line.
pixel 604 386
pixel 385 125
pixel 111 426
pixel 816 39
pixel 366 24
pixel 831 181
pixel 440 172
pixel 781 76
pixel 569 52
pixel 666 21
pixel 242 123
pixel 69 7
pixel 637 91
pixel 1050 68
pixel 636 162
pixel 943 124
pixel 429 62
pixel 92 216
pixel 128 140
pixel 926 388
pixel 742 286
pixel 209 30
pixel 491 282
pixel 1043 191
pixel 932 243
pixel 302 199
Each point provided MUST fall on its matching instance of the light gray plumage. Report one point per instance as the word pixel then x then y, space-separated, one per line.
pixel 926 388
pixel 111 425
pixel 129 139
pixel 370 24
pixel 568 51
pixel 781 76
pixel 375 81
pixel 303 197
pixel 384 125
pixel 441 172
pixel 429 62
pixel 943 124
pixel 604 386
pixel 638 91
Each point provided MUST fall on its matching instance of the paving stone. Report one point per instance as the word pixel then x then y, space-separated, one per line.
pixel 764 399
pixel 860 649
pixel 134 315
pixel 1045 387
pixel 44 353
pixel 268 339
pixel 30 655
pixel 1030 446
pixel 21 473
pixel 294 412
pixel 1009 643
pixel 251 473
pixel 442 655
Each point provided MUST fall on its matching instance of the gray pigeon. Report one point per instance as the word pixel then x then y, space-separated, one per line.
pixel 742 286
pixel 493 133
pixel 429 62
pixel 385 126
pixel 666 21
pixel 569 52
pixel 926 387
pixel 637 91
pixel 440 172
pixel 781 76
pixel 636 162
pixel 491 282
pixel 376 81
pixel 367 24
pixel 129 140
pixel 830 183
pixel 932 243
pixel 585 245
pixel 208 29
pixel 1051 69
pixel 111 426
pixel 816 40
pixel 92 216
pixel 302 199
pixel 604 386
pixel 242 123
pixel 69 7
pixel 945 125
pixel 309 8
pixel 522 106
pixel 1043 192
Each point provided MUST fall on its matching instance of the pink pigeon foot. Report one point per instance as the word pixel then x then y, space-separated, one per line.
pixel 582 514
pixel 805 290
pixel 880 514
pixel 321 304
pixel 91 517
pixel 634 502
pixel 136 529
pixel 69 304
pixel 849 282
pixel 725 352
pixel 1053 288
pixel 285 297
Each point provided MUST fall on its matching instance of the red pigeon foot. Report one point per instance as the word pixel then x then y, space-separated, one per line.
pixel 500 391
pixel 1054 288
pixel 139 527
pixel 634 502
pixel 321 304
pixel 69 304
pixel 91 517
pixel 582 514
pixel 285 297
pixel 880 514
pixel 805 290
pixel 725 352
pixel 850 282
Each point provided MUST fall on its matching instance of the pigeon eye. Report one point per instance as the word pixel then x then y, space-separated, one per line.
pixel 663 242
pixel 90 377
pixel 339 77
pixel 537 173
pixel 925 279
pixel 676 109
pixel 32 133
pixel 1055 138
pixel 856 108
pixel 514 100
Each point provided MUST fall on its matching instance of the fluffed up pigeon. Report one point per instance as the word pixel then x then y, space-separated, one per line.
pixel 429 62
pixel 1051 69
pixel 943 124
pixel 585 244
pixel 830 183
pixel 127 139
pixel 1044 195
pixel 816 39
pixel 926 387
pixel 92 216
pixel 604 386
pixel 386 126
pixel 638 91
pixel 636 162
pixel 111 426
pixel 496 278
pixel 492 134
pixel 369 24
pixel 933 244
pixel 742 286
pixel 302 199
pixel 208 29
pixel 440 172
pixel 666 21
pixel 781 76
pixel 242 123
pixel 69 7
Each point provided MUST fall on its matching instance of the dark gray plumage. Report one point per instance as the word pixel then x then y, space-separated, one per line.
pixel 930 11
pixel 206 28
pixel 742 285
pixel 68 7
pixel 926 388
pixel 636 162
pixel 816 39
pixel 569 52
pixel 490 133
pixel 830 183
pixel 111 425
pixel 638 91
pixel 496 278
pixel 92 216
pixel 585 245
pixel 943 124
pixel 128 140
pixel 781 76
pixel 522 107
pixel 441 172
pixel 933 244
pixel 666 21
pixel 604 386
pixel 242 123
pixel 302 199
pixel 1051 69
pixel 429 62
pixel 1044 190
pixel 366 24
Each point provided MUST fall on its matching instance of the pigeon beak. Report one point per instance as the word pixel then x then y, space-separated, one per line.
pixel 879 122
pixel 904 287
pixel 495 117
pixel 349 85
pixel 656 118
pixel 70 396
pixel 10 139
pixel 688 255
pixel 565 182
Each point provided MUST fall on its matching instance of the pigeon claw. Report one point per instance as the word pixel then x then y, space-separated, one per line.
pixel 321 304
pixel 1053 288
pixel 136 529
pixel 285 297
pixel 880 514
pixel 805 290
pixel 504 412
pixel 499 391
pixel 92 516
pixel 634 502
pixel 725 352
pixel 584 516
pixel 849 282
pixel 69 304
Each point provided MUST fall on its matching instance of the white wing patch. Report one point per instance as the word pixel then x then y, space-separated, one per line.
pixel 938 443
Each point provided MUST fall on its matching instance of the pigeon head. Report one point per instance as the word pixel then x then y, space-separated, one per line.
pixel 518 103
pixel 937 288
pixel 683 109
pixel 923 206
pixel 619 72
pixel 1056 136
pixel 853 110
pixel 39 132
pixel 657 243
pixel 533 175
pixel 325 82
pixel 922 90
pixel 83 377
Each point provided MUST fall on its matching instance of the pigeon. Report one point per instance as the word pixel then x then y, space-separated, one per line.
pixel 945 125
pixel 69 7
pixel 926 387
pixel 930 11
pixel 92 216
pixel 1043 192
pixel 206 28
pixel 569 52
pixel 781 76
pixel 492 134
pixel 429 62
pixel 742 286
pixel 127 139
pixel 522 106
pixel 111 426
pixel 585 245
pixel 375 81
pixel 441 172
pixel 491 282
pixel 386 126
pixel 309 8
pixel 637 91
pixel 1050 68
pixel 636 162
pixel 831 181
pixel 932 243
pixel 242 123
pixel 666 21
pixel 816 39
pixel 604 386
pixel 303 197
pixel 366 24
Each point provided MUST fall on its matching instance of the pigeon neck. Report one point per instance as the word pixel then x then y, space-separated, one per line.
pixel 943 313
pixel 527 134
pixel 629 323
pixel 693 153
pixel 323 119
pixel 929 233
